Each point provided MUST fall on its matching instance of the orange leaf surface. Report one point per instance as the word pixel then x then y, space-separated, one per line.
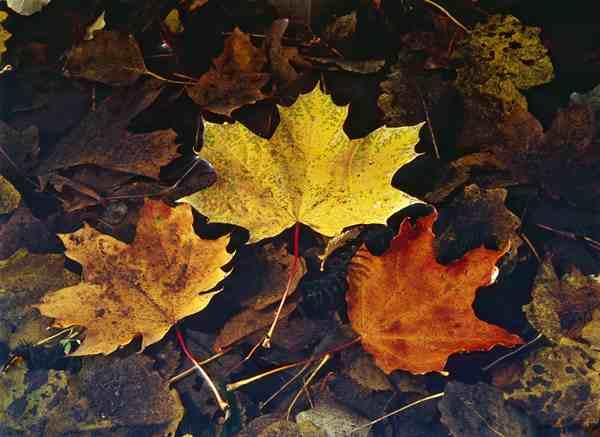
pixel 138 289
pixel 411 311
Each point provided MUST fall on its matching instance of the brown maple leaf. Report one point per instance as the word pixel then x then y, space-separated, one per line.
pixel 102 137
pixel 138 289
pixel 411 311
pixel 235 79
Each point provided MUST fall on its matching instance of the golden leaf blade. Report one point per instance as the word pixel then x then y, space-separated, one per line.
pixel 308 172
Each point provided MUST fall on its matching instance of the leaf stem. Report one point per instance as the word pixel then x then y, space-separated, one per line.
pixel 447 14
pixel 223 405
pixel 399 410
pixel 266 343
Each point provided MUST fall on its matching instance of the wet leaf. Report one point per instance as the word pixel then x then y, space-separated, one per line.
pixel 138 289
pixel 21 147
pixel 24 279
pixel 23 230
pixel 258 311
pixel 560 308
pixel 325 181
pixel 480 411
pixel 474 218
pixel 331 419
pixel 560 386
pixel 110 57
pixel 234 80
pixel 411 311
pixel 120 396
pixel 102 137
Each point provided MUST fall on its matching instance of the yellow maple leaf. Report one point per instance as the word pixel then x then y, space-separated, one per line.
pixel 138 289
pixel 308 172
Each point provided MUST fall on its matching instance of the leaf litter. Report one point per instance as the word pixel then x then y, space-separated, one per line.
pixel 305 140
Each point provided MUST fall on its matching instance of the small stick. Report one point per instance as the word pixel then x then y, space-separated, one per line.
pixel 511 353
pixel 190 370
pixel 399 410
pixel 573 236
pixel 235 385
pixel 531 246
pixel 324 360
pixel 447 14
pixel 242 382
pixel 266 343
pixel 284 386
pixel 429 125
pixel 223 405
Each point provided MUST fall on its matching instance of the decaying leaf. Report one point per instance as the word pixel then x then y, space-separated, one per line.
pixel 308 172
pixel 560 386
pixel 235 79
pixel 102 137
pixel 4 34
pixel 27 7
pixel 138 289
pixel 560 308
pixel 9 196
pixel 360 367
pixel 331 419
pixel 113 393
pixel 501 57
pixel 24 279
pixel 411 311
pixel 110 57
pixel 270 425
pixel 279 56
pixel 27 398
pixel 480 411
pixel 24 230
pixel 473 218
pixel 122 396
pixel 259 310
pixel 21 147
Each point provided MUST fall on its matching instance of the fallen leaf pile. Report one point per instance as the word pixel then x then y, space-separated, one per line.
pixel 299 218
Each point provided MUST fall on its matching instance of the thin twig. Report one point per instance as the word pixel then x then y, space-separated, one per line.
pixel 312 375
pixel 447 14
pixel 572 235
pixel 284 386
pixel 223 405
pixel 266 343
pixel 190 370
pixel 531 246
pixel 235 385
pixel 399 410
pixel 429 125
pixel 511 353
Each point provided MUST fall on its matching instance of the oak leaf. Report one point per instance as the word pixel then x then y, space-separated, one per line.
pixel 411 311
pixel 308 172
pixel 138 289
